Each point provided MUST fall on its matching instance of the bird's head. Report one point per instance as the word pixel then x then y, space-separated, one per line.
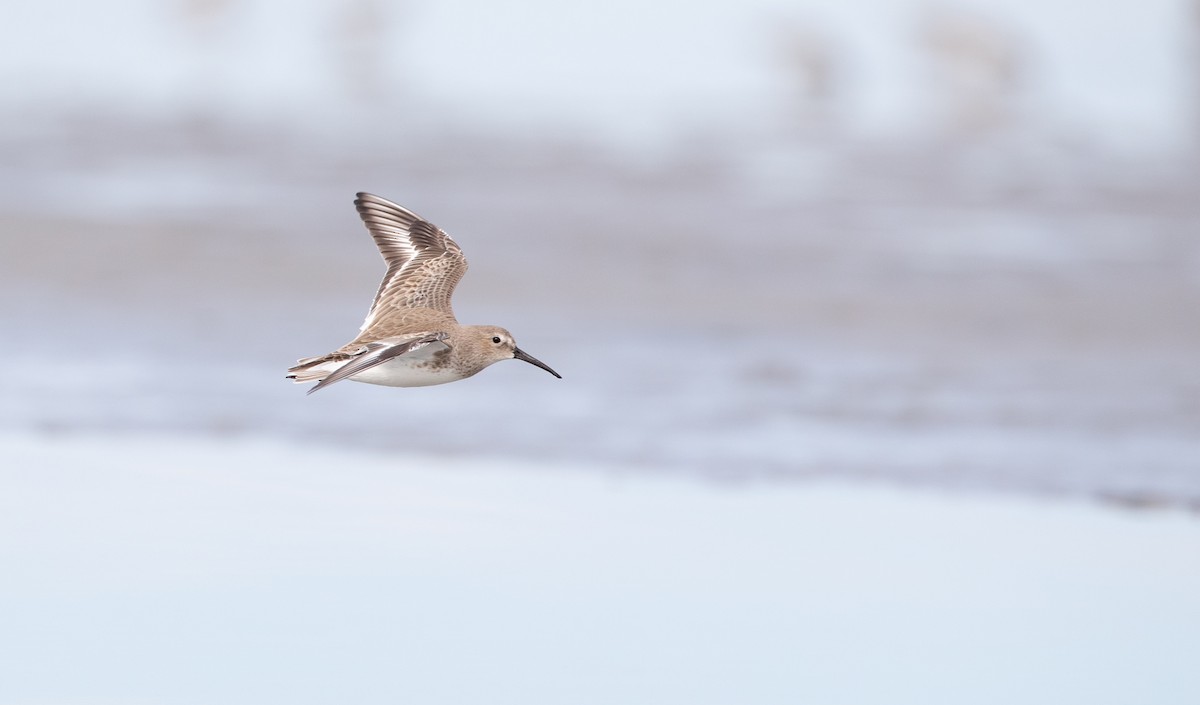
pixel 497 344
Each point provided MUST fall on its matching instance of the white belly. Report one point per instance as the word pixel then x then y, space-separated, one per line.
pixel 407 372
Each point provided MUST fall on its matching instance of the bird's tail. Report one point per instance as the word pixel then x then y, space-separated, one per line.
pixel 311 369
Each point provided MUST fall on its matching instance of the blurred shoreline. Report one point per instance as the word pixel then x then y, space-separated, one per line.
pixel 1025 337
pixel 907 258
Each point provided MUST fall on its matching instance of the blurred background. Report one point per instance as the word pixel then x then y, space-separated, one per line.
pixel 918 279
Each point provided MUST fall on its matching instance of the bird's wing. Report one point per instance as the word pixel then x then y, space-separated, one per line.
pixel 373 354
pixel 424 264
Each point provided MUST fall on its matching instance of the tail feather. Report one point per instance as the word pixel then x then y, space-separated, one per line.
pixel 311 369
pixel 315 369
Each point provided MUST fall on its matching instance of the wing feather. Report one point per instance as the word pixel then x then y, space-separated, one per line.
pixel 424 264
pixel 376 354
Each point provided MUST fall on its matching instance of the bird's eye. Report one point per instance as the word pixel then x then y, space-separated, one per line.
pixel 496 339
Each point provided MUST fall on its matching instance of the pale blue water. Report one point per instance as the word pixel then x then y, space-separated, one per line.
pixel 174 570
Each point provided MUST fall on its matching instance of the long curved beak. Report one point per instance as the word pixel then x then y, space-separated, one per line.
pixel 520 354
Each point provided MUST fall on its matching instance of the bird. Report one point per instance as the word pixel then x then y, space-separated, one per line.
pixel 410 337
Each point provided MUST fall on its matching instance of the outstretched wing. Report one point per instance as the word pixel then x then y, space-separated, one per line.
pixel 375 354
pixel 424 263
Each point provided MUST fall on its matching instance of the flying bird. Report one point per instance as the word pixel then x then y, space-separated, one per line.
pixel 410 337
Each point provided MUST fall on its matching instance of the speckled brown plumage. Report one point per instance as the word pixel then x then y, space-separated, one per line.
pixel 410 336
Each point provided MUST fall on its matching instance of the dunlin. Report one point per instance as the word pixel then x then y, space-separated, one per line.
pixel 411 337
